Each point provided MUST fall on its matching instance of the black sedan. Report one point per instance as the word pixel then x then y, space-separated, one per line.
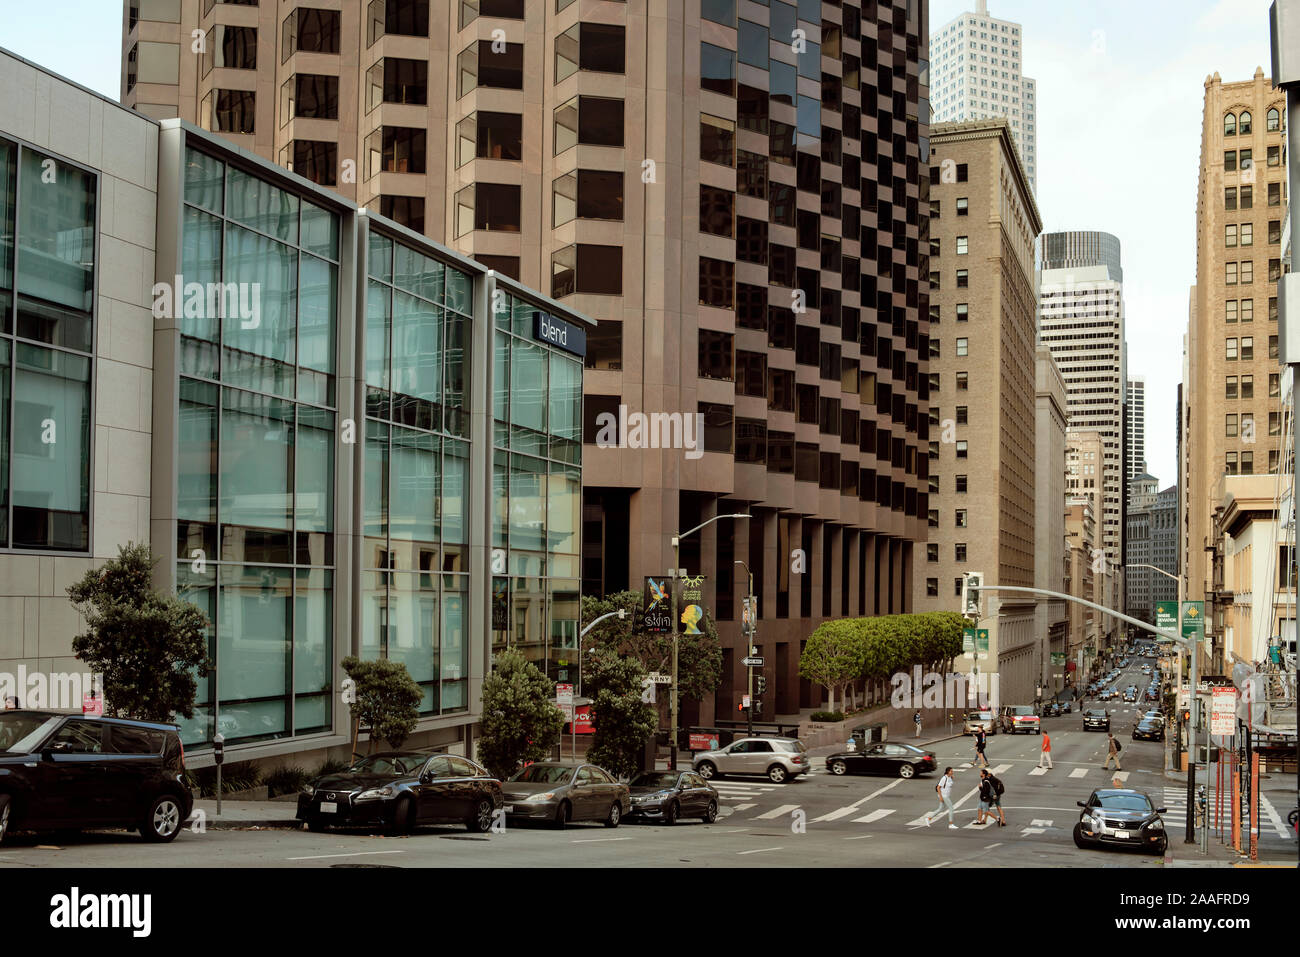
pixel 1149 729
pixel 668 796
pixel 896 760
pixel 1094 719
pixel 1121 817
pixel 398 790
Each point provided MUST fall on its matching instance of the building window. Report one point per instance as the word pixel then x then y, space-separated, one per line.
pixel 963 247
pixel 503 9
pixel 717 283
pixel 233 48
pixel 1273 120
pixel 1230 314
pixel 1272 347
pixel 1274 232
pixel 963 382
pixel 1247 463
pixel 963 206
pixel 1230 274
pixel 477 65
pixel 1274 156
pixel 396 149
pixel 963 278
pixel 1229 161
pixel 1247 348
pixel 1230 463
pixel 717 69
pixel 963 347
pixel 932 555
pixel 596 47
pixel 1247 234
pixel 1230 425
pixel 587 269
pixel 959 518
pixel 1230 387
pixel 311 96
pixel 1230 350
pixel 717 140
pixel 932 584
pixel 717 211
pixel 1274 270
pixel 959 552
pixel 1248 387
pixel 1243 124
pixel 1275 194
pixel 588 194
pixel 963 413
pixel 959 483
pixel 1274 425
pixel 1247 272
pixel 409 211
pixel 311 31
pixel 590 120
pixel 1274 385
pixel 716 355
pixel 232 111
pixel 1230 235
pixel 485 135
pixel 408 18
pixel 963 311
pixel 962 449
pixel 494 207
pixel 395 80
pixel 317 160
pixel 1247 197
pixel 605 346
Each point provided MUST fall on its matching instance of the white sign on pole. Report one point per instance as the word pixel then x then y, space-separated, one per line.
pixel 564 698
pixel 1223 712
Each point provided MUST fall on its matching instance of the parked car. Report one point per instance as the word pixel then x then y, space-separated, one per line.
pixel 778 759
pixel 559 792
pixel 1095 719
pixel 399 790
pixel 896 760
pixel 68 772
pixel 1148 729
pixel 1154 716
pixel 1121 817
pixel 1017 718
pixel 668 796
pixel 985 718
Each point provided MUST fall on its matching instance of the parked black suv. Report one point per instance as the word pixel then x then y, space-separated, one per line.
pixel 67 772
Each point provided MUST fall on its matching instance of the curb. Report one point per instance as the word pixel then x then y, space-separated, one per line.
pixel 227 824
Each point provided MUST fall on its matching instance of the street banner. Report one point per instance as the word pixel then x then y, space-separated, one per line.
pixel 700 741
pixel 564 700
pixel 982 641
pixel 583 721
pixel 1193 620
pixel 1058 657
pixel 1165 617
pixel 690 602
pixel 968 641
pixel 656 616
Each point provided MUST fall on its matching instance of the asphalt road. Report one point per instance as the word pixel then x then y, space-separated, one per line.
pixel 819 820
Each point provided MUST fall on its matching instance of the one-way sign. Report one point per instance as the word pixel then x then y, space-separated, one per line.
pixel 752 662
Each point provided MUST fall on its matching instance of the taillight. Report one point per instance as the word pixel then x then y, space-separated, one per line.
pixel 182 744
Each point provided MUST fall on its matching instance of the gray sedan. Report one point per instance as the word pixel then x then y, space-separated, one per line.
pixel 558 792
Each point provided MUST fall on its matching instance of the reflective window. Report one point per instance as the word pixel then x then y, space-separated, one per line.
pixel 593 120
pixel 753 44
pixel 717 210
pixel 717 69
pixel 717 140
pixel 587 268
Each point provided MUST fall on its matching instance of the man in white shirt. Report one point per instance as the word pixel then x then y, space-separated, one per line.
pixel 944 789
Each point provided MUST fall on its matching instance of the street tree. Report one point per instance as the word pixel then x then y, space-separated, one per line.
pixel 520 720
pixel 623 723
pixel 150 648
pixel 385 700
pixel 834 655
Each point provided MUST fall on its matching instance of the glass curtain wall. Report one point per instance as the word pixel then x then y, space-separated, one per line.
pixel 414 582
pixel 258 313
pixel 537 494
pixel 47 285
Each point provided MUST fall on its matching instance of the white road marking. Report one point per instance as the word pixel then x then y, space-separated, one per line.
pixel 744 807
pixel 991 846
pixel 879 791
pixel 1026 831
pixel 736 830
pixel 1038 822
pixel 874 816
pixel 834 815
pixel 759 850
pixel 858 837
pixel 321 857
pixel 599 840
pixel 1003 768
pixel 1034 772
pixel 1275 819
pixel 781 811
pixel 1121 775
pixel 969 794
pixel 940 864
pixel 1079 773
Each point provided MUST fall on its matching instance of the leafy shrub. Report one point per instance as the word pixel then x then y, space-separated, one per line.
pixel 828 716
pixel 286 780
pixel 331 766
pixel 240 776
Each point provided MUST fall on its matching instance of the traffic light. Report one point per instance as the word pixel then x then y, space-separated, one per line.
pixel 760 684
pixel 741 707
pixel 1187 715
pixel 972 583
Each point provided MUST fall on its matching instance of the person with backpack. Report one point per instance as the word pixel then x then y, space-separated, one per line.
pixel 991 789
pixel 916 719
pixel 1112 752
pixel 944 790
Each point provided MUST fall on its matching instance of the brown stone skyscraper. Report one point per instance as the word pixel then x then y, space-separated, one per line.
pixel 736 191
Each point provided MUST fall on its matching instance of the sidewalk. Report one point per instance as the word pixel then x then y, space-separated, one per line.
pixel 247 814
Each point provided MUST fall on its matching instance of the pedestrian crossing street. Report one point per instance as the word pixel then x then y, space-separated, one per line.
pixel 750 800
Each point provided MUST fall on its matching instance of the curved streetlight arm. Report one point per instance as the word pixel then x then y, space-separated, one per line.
pixel 1154 569
pixel 677 538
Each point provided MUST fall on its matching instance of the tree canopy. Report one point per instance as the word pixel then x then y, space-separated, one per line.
pixel 520 720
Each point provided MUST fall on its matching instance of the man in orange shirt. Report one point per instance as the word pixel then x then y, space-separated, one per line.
pixel 1046 753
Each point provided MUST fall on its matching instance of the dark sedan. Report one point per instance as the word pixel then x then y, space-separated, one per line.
pixel 668 796
pixel 1149 729
pixel 398 790
pixel 1096 720
pixel 896 760
pixel 1121 817
pixel 559 792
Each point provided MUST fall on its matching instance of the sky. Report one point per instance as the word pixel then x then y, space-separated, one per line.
pixel 1120 93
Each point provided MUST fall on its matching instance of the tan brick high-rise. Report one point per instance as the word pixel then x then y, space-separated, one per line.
pixel 1233 409
pixel 737 191
pixel 983 223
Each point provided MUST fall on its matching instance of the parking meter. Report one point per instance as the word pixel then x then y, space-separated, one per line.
pixel 219 748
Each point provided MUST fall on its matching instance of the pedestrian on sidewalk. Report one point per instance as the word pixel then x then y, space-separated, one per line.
pixel 1045 754
pixel 944 790
pixel 980 741
pixel 916 719
pixel 1112 752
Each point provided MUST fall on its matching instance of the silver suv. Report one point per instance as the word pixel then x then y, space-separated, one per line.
pixel 777 759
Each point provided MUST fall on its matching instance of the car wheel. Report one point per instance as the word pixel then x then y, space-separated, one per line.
pixel 708 770
pixel 839 767
pixel 481 822
pixel 711 812
pixel 403 821
pixel 670 815
pixel 777 774
pixel 615 815
pixel 163 821
pixel 1078 837
pixel 561 816
pixel 906 770
pixel 4 816
pixel 317 826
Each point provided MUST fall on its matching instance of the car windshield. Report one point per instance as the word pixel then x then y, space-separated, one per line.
pixel 1096 714
pixel 1022 709
pixel 20 732
pixel 1123 802
pixel 654 779
pixel 543 774
pixel 389 764
pixel 976 716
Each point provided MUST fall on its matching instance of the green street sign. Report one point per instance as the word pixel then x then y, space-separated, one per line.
pixel 1193 615
pixel 968 640
pixel 1058 657
pixel 1165 617
pixel 982 640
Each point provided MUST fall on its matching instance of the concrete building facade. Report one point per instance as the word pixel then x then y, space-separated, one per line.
pixel 982 385
pixel 1135 428
pixel 1139 596
pixel 977 62
pixel 1051 556
pixel 1232 394
pixel 728 187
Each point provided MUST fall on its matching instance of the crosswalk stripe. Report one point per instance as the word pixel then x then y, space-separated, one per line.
pixel 1037 771
pixel 835 815
pixel 874 816
pixel 1274 818
pixel 1121 775
pixel 743 807
pixel 1002 769
pixel 781 811
pixel 1079 773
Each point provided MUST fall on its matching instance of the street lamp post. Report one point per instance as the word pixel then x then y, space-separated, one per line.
pixel 749 712
pixel 672 691
pixel 573 724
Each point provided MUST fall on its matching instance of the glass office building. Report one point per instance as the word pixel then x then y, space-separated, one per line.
pixel 321 411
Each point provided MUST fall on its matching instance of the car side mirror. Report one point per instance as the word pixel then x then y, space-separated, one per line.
pixel 425 777
pixel 1080 803
pixel 1160 810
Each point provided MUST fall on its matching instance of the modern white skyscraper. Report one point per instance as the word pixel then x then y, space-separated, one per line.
pixel 1081 319
pixel 975 74
pixel 1135 428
